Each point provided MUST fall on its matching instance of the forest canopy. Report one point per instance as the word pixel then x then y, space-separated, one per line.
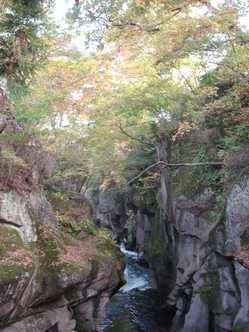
pixel 172 71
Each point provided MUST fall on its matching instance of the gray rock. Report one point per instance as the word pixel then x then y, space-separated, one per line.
pixel 210 289
pixel 60 318
pixel 14 212
pixel 108 208
pixel 43 296
pixel 197 319
pixel 242 316
pixel 237 215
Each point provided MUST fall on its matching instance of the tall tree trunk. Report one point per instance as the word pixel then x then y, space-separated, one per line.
pixel 167 218
pixel 163 154
pixel 3 104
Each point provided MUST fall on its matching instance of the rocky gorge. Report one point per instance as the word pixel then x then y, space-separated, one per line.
pixel 200 262
pixel 52 281
pixel 124 166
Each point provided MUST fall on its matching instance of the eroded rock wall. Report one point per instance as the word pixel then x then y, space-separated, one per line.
pixel 201 262
pixel 208 286
pixel 48 278
pixel 108 208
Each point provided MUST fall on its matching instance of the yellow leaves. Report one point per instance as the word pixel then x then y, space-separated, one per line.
pixel 183 128
pixel 219 104
pixel 140 3
pixel 210 91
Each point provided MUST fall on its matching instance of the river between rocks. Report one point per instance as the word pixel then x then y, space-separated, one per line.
pixel 135 308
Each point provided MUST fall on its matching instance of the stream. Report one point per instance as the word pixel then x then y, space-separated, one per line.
pixel 135 307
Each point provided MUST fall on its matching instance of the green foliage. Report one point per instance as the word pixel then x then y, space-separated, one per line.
pixel 93 111
pixel 49 246
pixel 137 159
pixel 95 16
pixel 88 226
pixel 206 176
pixel 15 257
pixel 24 29
pixel 236 138
pixel 240 329
pixel 192 180
pixel 9 154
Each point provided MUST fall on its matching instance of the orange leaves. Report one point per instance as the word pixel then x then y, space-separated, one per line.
pixel 182 129
pixel 242 115
pixel 17 258
pixel 75 255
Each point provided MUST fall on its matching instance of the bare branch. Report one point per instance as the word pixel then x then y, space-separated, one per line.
pixel 143 172
pixel 145 142
pixel 149 29
pixel 137 25
pixel 165 164
pixel 210 163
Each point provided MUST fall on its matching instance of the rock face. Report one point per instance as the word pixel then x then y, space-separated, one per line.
pixel 48 280
pixel 207 286
pixel 14 212
pixel 108 208
pixel 201 261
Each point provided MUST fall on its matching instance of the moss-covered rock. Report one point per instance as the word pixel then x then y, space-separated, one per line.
pixel 53 271
pixel 15 257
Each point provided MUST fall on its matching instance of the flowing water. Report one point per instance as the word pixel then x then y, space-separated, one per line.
pixel 135 307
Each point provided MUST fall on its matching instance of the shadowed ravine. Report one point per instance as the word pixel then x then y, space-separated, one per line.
pixel 135 307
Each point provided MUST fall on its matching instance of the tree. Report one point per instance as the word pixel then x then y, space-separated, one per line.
pixel 152 86
pixel 24 26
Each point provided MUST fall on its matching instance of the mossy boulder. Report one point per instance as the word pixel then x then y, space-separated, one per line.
pixel 43 277
pixel 15 257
